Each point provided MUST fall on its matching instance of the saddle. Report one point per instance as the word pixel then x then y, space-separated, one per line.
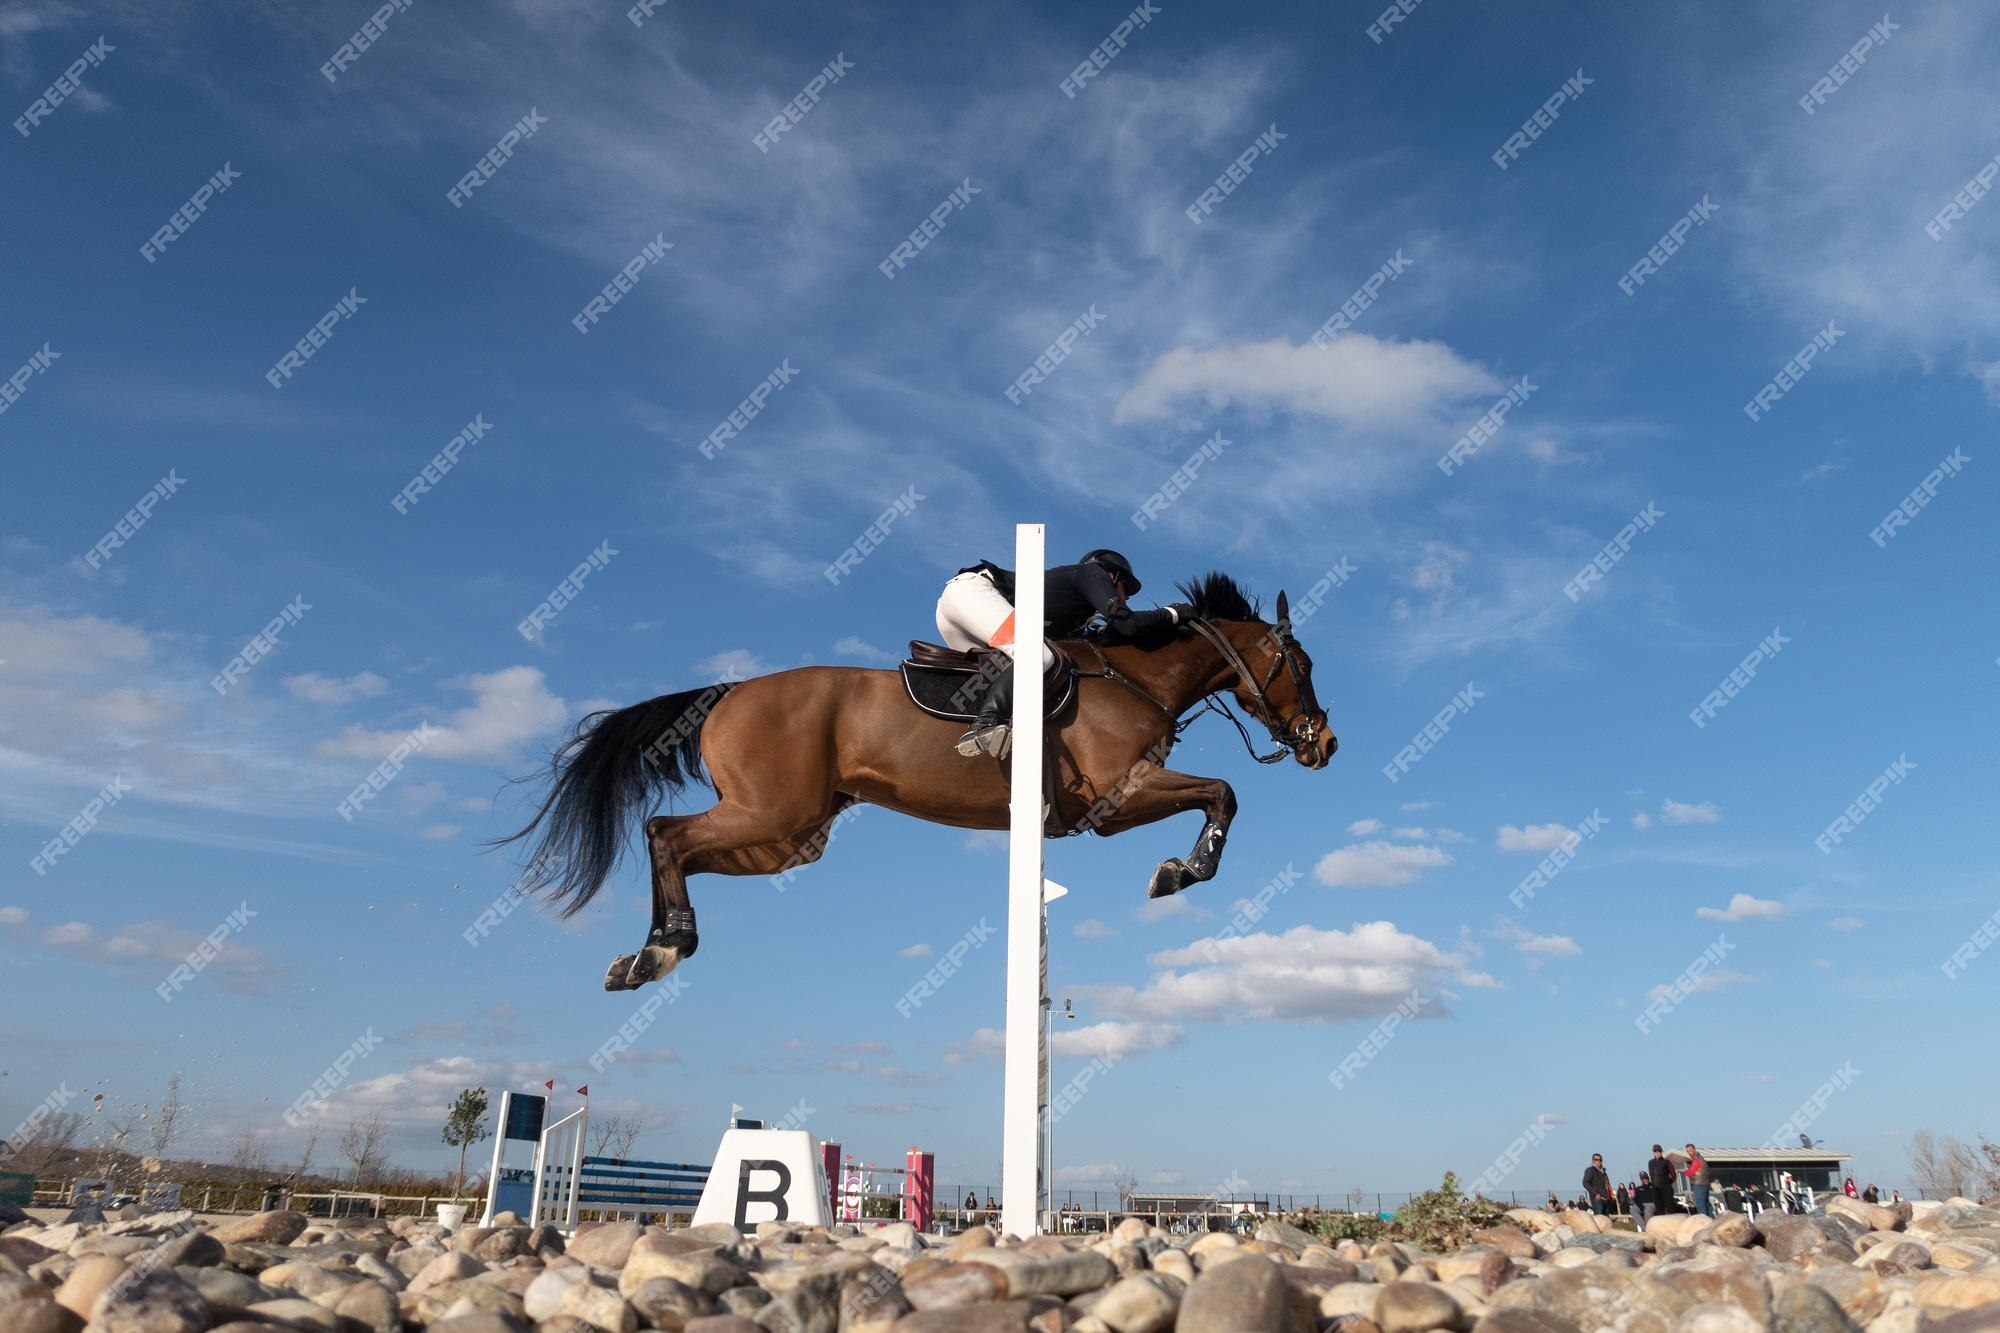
pixel 944 681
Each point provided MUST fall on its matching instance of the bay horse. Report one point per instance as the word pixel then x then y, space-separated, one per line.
pixel 787 752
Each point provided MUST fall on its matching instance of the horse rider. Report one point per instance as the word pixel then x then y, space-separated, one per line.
pixel 976 611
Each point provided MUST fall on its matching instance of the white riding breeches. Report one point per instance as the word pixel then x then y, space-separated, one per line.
pixel 971 614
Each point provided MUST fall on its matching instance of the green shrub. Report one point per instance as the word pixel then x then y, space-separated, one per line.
pixel 1336 1227
pixel 1443 1218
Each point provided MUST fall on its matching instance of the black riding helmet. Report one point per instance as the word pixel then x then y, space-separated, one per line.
pixel 1111 560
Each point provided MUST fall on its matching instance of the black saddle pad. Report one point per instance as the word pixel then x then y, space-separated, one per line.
pixel 952 692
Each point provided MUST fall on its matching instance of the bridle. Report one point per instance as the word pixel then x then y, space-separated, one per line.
pixel 1293 734
pixel 1296 731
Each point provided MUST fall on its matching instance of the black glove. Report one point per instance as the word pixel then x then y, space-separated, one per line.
pixel 1183 612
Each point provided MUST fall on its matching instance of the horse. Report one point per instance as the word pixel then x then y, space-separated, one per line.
pixel 786 753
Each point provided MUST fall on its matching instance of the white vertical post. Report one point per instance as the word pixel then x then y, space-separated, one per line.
pixel 1020 1132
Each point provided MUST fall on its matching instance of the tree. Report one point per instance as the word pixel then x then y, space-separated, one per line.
pixel 464 1125
pixel 361 1143
pixel 247 1153
pixel 1127 1184
pixel 1942 1166
pixel 43 1143
pixel 614 1135
pixel 297 1173
pixel 164 1128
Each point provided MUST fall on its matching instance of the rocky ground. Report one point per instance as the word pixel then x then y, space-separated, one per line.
pixel 1863 1267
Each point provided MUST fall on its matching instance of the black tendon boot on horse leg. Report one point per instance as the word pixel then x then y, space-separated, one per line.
pixel 671 942
pixel 992 726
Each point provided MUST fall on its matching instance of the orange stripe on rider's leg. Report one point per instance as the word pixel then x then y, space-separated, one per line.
pixel 1005 634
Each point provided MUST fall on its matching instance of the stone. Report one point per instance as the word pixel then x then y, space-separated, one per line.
pixel 1731 1229
pixel 543 1297
pixel 1061 1274
pixel 371 1305
pixel 1509 1240
pixel 497 1323
pixel 1574 1294
pixel 1717 1319
pixel 37 1314
pixel 452 1266
pixel 1533 1220
pixel 1143 1303
pixel 705 1270
pixel 1910 1255
pixel 1249 1293
pixel 1175 1264
pixel 273 1228
pixel 712 1233
pixel 605 1246
pixel 1872 1216
pixel 600 1307
pixel 1985 1319
pixel 1416 1307
pixel 1789 1237
pixel 1806 1308
pixel 1350 1300
pixel 1957 1291
pixel 159 1301
pixel 724 1323
pixel 947 1285
pixel 1604 1241
pixel 1722 1284
pixel 1284 1233
pixel 799 1311
pixel 1518 1320
pixel 86 1282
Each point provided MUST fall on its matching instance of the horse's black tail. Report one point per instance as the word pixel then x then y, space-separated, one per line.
pixel 617 765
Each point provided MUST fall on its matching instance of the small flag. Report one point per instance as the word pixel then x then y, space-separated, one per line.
pixel 550 1085
pixel 583 1091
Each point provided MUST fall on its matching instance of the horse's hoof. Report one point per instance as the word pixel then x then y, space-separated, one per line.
pixel 615 976
pixel 1169 878
pixel 650 964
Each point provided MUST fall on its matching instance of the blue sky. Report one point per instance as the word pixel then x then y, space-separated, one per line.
pixel 591 441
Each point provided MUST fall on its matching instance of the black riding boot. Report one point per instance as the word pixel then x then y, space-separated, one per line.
pixel 992 725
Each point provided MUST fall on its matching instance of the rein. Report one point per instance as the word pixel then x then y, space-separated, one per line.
pixel 1285 736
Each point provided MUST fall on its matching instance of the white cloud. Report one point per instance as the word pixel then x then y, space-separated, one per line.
pixel 509 708
pixel 1411 833
pixel 1533 838
pixel 317 689
pixel 1723 979
pixel 986 840
pixel 1844 923
pixel 1306 974
pixel 733 664
pixel 1701 812
pixel 853 646
pixel 440 832
pixel 1089 1173
pixel 1361 828
pixel 915 951
pixel 1526 941
pixel 148 950
pixel 1113 1040
pixel 1159 909
pixel 1551 1118
pixel 1642 820
pixel 13 916
pixel 1411 807
pixel 1093 929
pixel 1373 864
pixel 1359 381
pixel 1743 907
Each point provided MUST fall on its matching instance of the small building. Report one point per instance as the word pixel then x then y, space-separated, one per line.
pixel 1816 1169
pixel 1194 1203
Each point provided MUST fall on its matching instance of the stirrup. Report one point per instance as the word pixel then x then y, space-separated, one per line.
pixel 994 738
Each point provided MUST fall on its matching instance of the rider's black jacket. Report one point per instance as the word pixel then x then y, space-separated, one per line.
pixel 1072 594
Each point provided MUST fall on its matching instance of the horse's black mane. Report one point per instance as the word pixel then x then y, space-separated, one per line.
pixel 1218 597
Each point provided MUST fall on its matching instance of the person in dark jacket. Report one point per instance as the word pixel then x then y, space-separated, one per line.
pixel 1660 1176
pixel 1597 1185
pixel 976 611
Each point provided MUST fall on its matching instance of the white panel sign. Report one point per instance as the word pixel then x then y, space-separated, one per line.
pixel 764 1175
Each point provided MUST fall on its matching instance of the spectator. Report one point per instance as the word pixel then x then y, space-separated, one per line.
pixel 1660 1176
pixel 1624 1200
pixel 1552 1205
pixel 1871 1195
pixel 1697 1178
pixel 1597 1185
pixel 991 1206
pixel 971 1209
pixel 1895 1197
pixel 1847 1188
